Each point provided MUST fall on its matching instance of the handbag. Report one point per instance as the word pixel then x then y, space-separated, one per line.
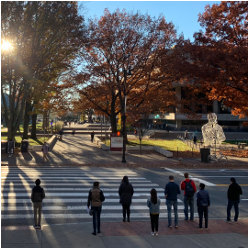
pixel 91 212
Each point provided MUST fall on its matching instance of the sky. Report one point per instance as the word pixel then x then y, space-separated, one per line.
pixel 183 14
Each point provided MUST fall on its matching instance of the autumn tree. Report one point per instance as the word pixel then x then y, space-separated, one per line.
pixel 121 61
pixel 46 38
pixel 216 63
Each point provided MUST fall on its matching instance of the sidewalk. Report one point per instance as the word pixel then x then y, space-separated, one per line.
pixel 77 150
pixel 220 234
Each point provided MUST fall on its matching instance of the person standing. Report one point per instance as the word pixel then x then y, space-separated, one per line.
pixel 92 136
pixel 37 197
pixel 95 199
pixel 171 192
pixel 233 194
pixel 195 137
pixel 189 190
pixel 185 135
pixel 126 192
pixel 61 135
pixel 154 209
pixel 203 202
pixel 45 150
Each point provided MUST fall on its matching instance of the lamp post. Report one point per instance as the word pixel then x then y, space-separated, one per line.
pixel 124 130
pixel 126 73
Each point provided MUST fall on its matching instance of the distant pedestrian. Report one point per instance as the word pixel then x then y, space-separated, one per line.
pixel 126 192
pixel 185 135
pixel 61 134
pixel 95 199
pixel 45 150
pixel 37 197
pixel 233 194
pixel 154 209
pixel 203 202
pixel 92 136
pixel 171 192
pixel 189 190
pixel 195 137
pixel 73 131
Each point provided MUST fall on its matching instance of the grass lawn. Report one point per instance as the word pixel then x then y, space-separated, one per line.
pixel 32 142
pixel 170 145
pixel 39 127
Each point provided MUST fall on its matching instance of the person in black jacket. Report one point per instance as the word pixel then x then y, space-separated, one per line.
pixel 126 192
pixel 233 194
pixel 37 197
pixel 203 202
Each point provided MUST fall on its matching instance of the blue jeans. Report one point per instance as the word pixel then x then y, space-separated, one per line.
pixel 96 218
pixel 171 203
pixel 189 201
pixel 236 209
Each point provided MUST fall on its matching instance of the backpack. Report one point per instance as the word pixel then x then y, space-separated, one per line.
pixel 189 190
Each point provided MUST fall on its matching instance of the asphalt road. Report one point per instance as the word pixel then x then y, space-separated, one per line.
pixel 67 189
pixel 217 182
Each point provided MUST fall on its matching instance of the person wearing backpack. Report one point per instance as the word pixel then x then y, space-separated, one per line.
pixel 37 197
pixel 95 198
pixel 189 190
pixel 203 202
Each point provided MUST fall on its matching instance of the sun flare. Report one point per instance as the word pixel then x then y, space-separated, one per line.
pixel 6 46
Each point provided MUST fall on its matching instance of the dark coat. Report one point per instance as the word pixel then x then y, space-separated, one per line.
pixel 234 191
pixel 126 192
pixel 37 194
pixel 172 190
pixel 203 199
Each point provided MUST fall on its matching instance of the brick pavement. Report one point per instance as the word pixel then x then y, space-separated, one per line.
pixel 218 226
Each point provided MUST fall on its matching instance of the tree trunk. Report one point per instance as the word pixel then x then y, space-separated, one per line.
pixel 113 115
pixel 33 130
pixel 26 120
pixel 113 123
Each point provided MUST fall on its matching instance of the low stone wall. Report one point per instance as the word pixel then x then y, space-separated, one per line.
pixel 51 142
pixel 162 151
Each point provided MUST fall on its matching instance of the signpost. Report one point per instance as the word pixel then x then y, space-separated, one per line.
pixel 116 142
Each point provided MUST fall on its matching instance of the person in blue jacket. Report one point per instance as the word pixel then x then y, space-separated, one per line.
pixel 203 202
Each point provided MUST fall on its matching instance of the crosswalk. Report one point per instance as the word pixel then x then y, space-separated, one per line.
pixel 66 190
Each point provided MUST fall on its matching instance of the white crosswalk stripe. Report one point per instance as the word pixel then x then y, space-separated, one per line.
pixel 67 190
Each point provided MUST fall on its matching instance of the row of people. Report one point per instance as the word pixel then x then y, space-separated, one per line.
pixel 172 190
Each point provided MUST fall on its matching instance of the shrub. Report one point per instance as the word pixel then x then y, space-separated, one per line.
pixel 59 125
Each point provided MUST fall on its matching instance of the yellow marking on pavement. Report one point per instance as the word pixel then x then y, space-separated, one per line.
pixel 226 185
